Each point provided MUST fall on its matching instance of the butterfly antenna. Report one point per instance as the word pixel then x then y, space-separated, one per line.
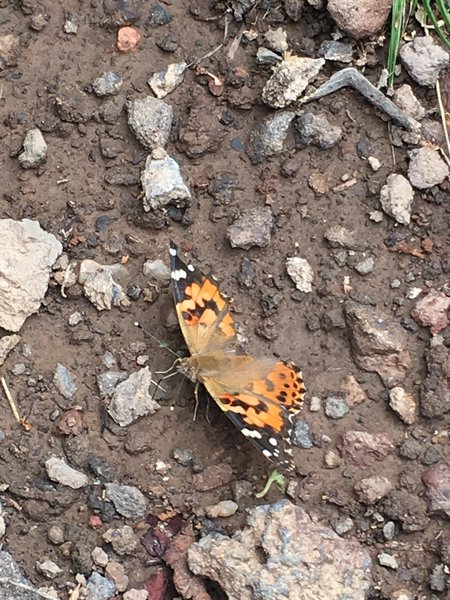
pixel 169 369
pixel 197 384
pixel 161 344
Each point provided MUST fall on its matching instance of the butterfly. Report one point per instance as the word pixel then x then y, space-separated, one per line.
pixel 261 396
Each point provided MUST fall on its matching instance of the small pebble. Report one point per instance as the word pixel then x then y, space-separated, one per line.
pixel 336 408
pixel 123 540
pixel 344 526
pixel 108 84
pixel 364 267
pixel 332 460
pixel 387 560
pixel 99 557
pixel 183 456
pixel 2 527
pixel 395 283
pixel 75 319
pixel 116 571
pixel 301 436
pixel 315 404
pixel 156 269
pixel 224 508
pixel 389 531
pixel 48 569
pixel 135 595
pixel 56 535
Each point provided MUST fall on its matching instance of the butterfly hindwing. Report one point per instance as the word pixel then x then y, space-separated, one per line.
pixel 264 409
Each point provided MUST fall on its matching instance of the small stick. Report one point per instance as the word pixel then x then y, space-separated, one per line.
pixel 353 78
pixel 28 588
pixel 12 404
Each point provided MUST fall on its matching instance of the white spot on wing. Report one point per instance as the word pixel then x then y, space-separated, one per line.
pixel 191 268
pixel 267 453
pixel 179 274
pixel 273 441
pixel 172 251
pixel 251 433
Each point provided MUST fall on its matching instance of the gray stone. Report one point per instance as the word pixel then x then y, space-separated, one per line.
pixel 252 228
pixel 403 404
pixel 48 569
pixel 301 436
pixel 132 399
pixel 103 291
pixel 277 40
pixel 99 556
pixel 64 382
pixel 336 51
pixel 7 343
pixel 365 266
pixel 99 587
pixel 426 168
pixel 387 560
pixel 34 150
pixel 405 99
pixel 224 508
pixel 276 556
pixel 165 81
pixel 389 531
pixel 150 119
pixel 435 390
pixel 317 130
pixel 269 138
pixel 289 80
pixel 107 382
pixel 91 267
pixel 58 470
pixel 163 183
pixel 27 256
pixel 396 198
pixel 264 56
pixel 301 273
pixel 424 59
pixel 10 571
pixel 344 526
pixel 438 577
pixel 340 237
pixel 437 483
pixel 128 501
pixel 123 540
pixel 335 407
pixel 108 84
pixel 156 269
pixel 183 456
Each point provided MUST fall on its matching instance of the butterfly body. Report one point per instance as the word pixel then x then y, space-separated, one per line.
pixel 260 395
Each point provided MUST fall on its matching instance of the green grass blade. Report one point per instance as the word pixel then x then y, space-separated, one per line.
pixel 434 22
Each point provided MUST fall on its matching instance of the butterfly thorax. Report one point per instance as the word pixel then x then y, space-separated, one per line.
pixel 211 364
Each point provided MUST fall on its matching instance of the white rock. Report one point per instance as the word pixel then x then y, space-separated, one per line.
pixel 396 198
pixel 7 343
pixel 34 150
pixel 289 80
pixel 374 163
pixel 99 556
pixel 26 258
pixel 103 291
pixel 48 569
pixel 426 168
pixel 163 183
pixel 132 399
pixel 387 560
pixel 58 470
pixel 90 267
pixel 403 404
pixel 167 80
pixel 2 527
pixel 277 40
pixel 301 273
pixel 405 99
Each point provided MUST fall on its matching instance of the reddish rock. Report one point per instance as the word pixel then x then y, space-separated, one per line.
pixel 95 522
pixel 437 481
pixel 360 18
pixel 128 39
pixel 213 477
pixel 362 449
pixel 354 393
pixel 432 311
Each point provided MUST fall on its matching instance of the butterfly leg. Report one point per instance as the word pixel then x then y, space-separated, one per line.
pixel 197 385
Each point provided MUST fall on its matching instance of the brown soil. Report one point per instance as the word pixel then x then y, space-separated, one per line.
pixel 72 191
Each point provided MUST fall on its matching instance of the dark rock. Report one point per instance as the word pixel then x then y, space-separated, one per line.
pixel 247 273
pixel 435 391
pixel 268 139
pixel 168 43
pixel 74 106
pixel 410 449
pixel 407 508
pixel 202 131
pixel 253 228
pixel 159 15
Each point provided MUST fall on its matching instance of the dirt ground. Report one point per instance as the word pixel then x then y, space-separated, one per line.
pixel 78 185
